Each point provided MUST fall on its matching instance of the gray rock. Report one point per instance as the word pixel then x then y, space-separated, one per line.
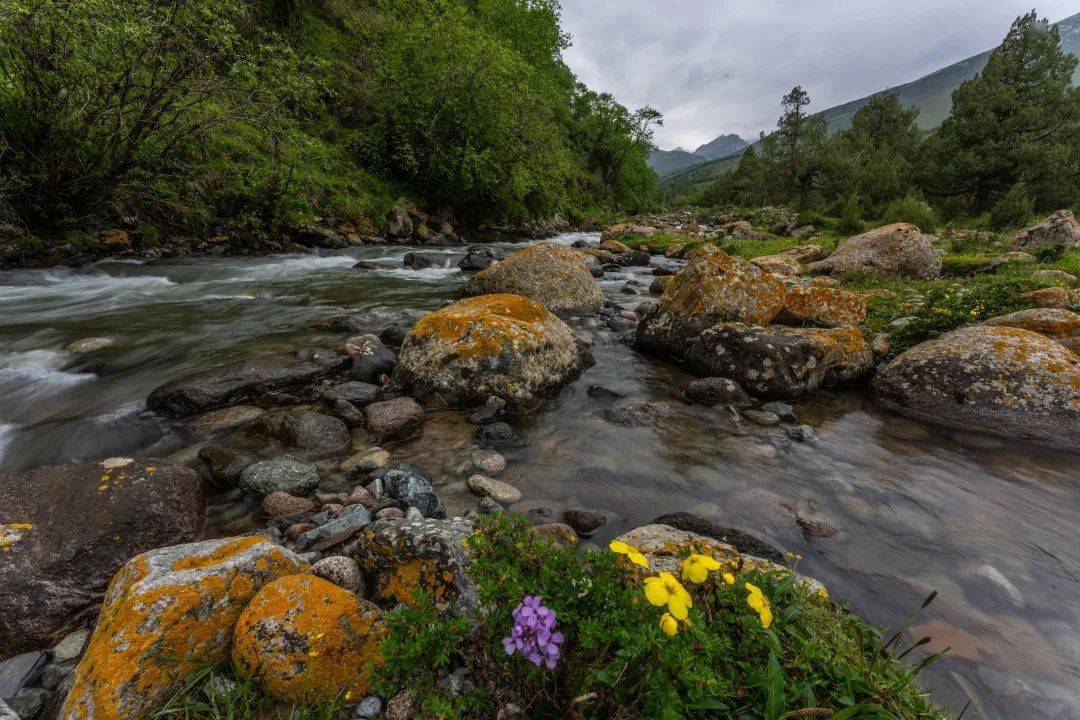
pixel 1060 228
pixel 217 421
pixel 413 515
pixel 760 417
pixel 411 486
pixel 900 249
pixel 340 570
pixel 477 259
pixel 305 430
pixel 584 522
pixel 354 392
pixel 742 541
pixel 20 671
pixel 715 391
pixel 370 358
pixel 71 646
pixel 816 525
pixel 355 517
pixel 497 490
pixel 530 272
pixel 396 419
pixel 497 436
pixel 369 708
pixel 488 461
pixel 802 433
pixel 281 474
pixel 28 702
pixel 636 415
pixel 55 674
pixel 488 506
pixel 224 464
pixel 781 409
pixel 90 345
pixel 7 713
pixel 489 412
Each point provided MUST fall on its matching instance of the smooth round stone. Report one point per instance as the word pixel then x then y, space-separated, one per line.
pixel 224 419
pixel 802 433
pixel 284 473
pixel 761 417
pixel 86 346
pixel 370 707
pixel 781 409
pixel 340 570
pixel 366 461
pixel 488 461
pixel 585 522
pixel 497 490
pixel 280 504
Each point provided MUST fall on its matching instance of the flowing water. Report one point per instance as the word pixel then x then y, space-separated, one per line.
pixel 990 525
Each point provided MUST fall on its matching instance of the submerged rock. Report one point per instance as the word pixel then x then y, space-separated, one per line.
pixel 781 362
pixel 497 490
pixel 715 391
pixel 410 486
pixel 999 380
pixel 305 640
pixel 167 612
pixel 235 383
pixel 225 465
pixel 397 419
pixel 900 249
pixel 505 346
pixel 552 275
pixel 305 430
pixel 68 528
pixel 714 287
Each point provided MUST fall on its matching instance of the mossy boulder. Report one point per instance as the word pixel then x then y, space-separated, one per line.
pixel 167 612
pixel 555 276
pixel 829 307
pixel 781 362
pixel 900 249
pixel 999 380
pixel 304 639
pixel 714 287
pixel 492 345
pixel 1054 323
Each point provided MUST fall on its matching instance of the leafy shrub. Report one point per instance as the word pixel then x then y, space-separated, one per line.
pixel 851 217
pixel 755 645
pixel 812 217
pixel 1013 210
pixel 911 209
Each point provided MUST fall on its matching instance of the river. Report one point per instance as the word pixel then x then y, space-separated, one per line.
pixel 990 525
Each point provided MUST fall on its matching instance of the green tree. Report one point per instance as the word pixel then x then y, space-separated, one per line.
pixel 1019 119
pixel 878 152
pixel 795 154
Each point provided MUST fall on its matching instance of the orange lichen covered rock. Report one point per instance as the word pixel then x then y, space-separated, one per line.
pixel 502 345
pixel 166 612
pixel 779 264
pixel 1051 297
pixel 899 249
pixel 778 361
pixel 304 639
pixel 1054 323
pixel 817 305
pixel 555 276
pixel 1000 380
pixel 714 287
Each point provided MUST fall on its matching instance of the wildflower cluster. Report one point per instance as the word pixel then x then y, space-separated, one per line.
pixel 533 633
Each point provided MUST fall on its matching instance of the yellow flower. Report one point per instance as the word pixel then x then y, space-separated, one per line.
pixel 696 568
pixel 823 593
pixel 620 548
pixel 757 601
pixel 664 589
pixel 729 578
pixel 669 624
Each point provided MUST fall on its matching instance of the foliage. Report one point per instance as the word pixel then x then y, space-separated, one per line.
pixel 911 209
pixel 851 217
pixel 1013 210
pixel 620 660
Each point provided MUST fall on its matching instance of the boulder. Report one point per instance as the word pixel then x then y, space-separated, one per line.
pixel 781 362
pixel 166 613
pixel 281 474
pixel 58 561
pixel 505 346
pixel 404 556
pixel 234 383
pixel 713 287
pixel 999 380
pixel 1010 257
pixel 305 640
pixel 828 307
pixel 1054 275
pixel 477 259
pixel 424 260
pixel 396 419
pixel 900 249
pixel 554 276
pixel 305 430
pixel 1061 228
pixel 371 359
pixel 1055 323
pixel 1051 297
pixel 779 264
pixel 804 253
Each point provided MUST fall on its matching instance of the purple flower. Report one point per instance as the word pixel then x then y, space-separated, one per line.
pixel 533 634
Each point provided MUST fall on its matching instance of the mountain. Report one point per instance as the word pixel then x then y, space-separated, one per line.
pixel 665 162
pixel 932 94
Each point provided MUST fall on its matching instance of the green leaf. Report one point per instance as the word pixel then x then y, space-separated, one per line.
pixel 774 689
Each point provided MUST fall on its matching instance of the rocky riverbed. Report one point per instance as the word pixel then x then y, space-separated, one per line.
pixel 311 431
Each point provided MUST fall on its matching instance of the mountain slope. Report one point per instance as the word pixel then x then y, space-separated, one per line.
pixel 721 147
pixel 665 162
pixel 932 94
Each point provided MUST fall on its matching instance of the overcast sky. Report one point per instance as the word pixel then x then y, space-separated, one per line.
pixel 719 66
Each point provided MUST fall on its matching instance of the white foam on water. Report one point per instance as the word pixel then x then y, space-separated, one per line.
pixel 6 431
pixel 38 367
pixel 432 275
pixel 289 266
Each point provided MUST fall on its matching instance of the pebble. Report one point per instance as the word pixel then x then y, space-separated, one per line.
pixel 335 531
pixel 361 496
pixel 369 707
pixel 488 506
pixel 488 461
pixel 495 489
pixel 413 514
pixel 802 433
pixel 340 570
pixel 762 417
pixel 585 522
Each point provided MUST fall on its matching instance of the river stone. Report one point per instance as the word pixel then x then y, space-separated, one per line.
pixel 1054 323
pixel 497 490
pixel 715 391
pixel 365 461
pixel 397 419
pixel 167 612
pixel 781 362
pixel 354 392
pixel 1060 228
pixel 801 433
pixel 497 436
pixel 280 474
pixel 305 430
pixel 403 556
pixel 713 287
pixel 554 276
pixel 779 264
pixel 999 380
pixel 742 541
pixel 640 415
pixel 371 359
pixel 279 504
pixel 782 410
pixel 21 671
pixel 900 249
pixel 828 307
pixel 225 465
pixel 584 522
pixel 56 562
pixel 305 640
pixel 555 533
pixel 761 417
pixel 411 486
pixel 224 419
pixel 488 461
pixel 234 383
pixel 90 345
pixel 505 346
pixel 71 647
pixel 477 259
pixel 335 531
pixel 340 570
pixel 424 260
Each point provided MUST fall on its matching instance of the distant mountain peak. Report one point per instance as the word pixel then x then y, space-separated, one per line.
pixel 665 162
pixel 721 147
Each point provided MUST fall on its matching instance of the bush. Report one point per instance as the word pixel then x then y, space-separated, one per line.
pixel 851 217
pixel 1013 210
pixel 911 209
pixel 789 650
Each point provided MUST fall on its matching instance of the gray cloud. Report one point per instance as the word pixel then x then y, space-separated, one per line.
pixel 720 66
